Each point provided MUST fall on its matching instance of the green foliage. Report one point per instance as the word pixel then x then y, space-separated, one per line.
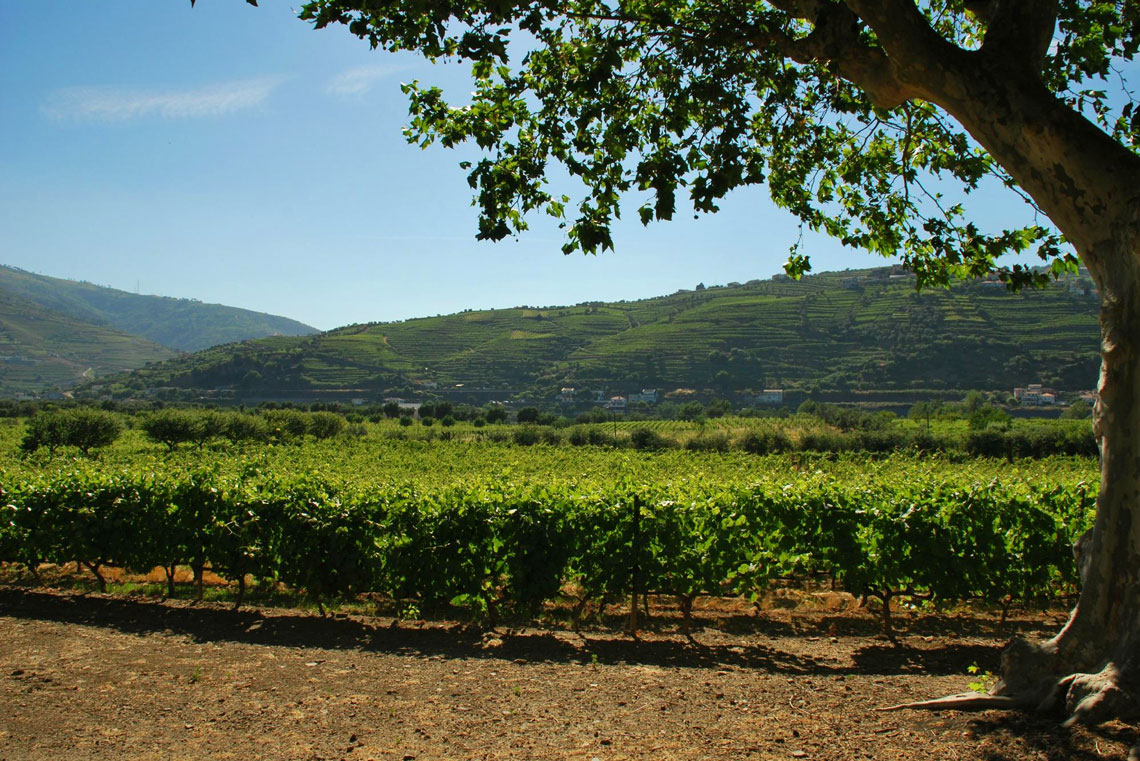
pixel 1078 410
pixel 242 427
pixel 493 528
pixel 326 425
pixel 647 438
pixel 175 426
pixel 987 416
pixel 665 100
pixel 83 427
pixel 766 441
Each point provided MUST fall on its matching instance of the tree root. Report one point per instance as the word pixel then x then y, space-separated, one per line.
pixel 1092 699
pixel 963 701
pixel 1031 683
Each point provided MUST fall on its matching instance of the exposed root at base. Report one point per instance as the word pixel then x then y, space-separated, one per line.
pixel 963 701
pixel 1093 699
pixel 1088 699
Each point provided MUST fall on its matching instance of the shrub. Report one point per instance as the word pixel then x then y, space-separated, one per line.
pixel 648 439
pixel 880 440
pixel 825 441
pixel 715 441
pixel 986 443
pixel 287 425
pixel 326 425
pixel 497 435
pixel 922 441
pixel 526 435
pixel 766 441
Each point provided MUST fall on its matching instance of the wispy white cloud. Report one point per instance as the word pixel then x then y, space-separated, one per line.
pixel 112 104
pixel 360 80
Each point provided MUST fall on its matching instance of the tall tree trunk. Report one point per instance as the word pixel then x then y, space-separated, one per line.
pixel 1092 667
pixel 1089 186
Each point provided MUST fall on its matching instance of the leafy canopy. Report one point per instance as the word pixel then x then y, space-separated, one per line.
pixel 663 100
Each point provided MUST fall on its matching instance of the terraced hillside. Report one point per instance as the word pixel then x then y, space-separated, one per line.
pixel 41 349
pixel 859 330
pixel 181 324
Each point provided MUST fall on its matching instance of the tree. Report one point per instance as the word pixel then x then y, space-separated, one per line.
pixel 871 120
pixel 174 426
pixel 86 428
pixel 924 410
pixel 528 415
pixel 1078 410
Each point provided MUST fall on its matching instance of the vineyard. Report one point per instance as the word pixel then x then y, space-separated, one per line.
pixel 496 528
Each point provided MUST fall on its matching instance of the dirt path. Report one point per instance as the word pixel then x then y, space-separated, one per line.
pixel 98 677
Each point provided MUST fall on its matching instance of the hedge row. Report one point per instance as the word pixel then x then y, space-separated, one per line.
pixel 493 545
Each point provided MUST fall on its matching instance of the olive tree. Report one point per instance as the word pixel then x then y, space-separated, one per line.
pixel 870 120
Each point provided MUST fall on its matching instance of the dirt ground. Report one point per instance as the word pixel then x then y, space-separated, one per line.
pixel 88 676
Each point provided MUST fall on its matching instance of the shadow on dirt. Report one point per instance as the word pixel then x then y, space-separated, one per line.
pixel 711 649
pixel 1045 736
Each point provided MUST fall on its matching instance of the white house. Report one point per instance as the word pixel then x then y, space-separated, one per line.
pixel 1034 395
pixel 647 395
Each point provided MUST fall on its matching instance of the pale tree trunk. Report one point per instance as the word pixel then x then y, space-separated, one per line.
pixel 1089 186
pixel 1092 667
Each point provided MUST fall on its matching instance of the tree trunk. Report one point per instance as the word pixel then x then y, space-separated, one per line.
pixel 1089 186
pixel 1092 667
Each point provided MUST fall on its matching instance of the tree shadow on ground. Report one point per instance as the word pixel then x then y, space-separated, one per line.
pixel 213 623
pixel 1045 736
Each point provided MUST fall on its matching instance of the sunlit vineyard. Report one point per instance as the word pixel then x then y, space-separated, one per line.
pixel 495 526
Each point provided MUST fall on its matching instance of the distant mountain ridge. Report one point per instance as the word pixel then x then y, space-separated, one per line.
pixel 858 331
pixel 42 349
pixel 180 324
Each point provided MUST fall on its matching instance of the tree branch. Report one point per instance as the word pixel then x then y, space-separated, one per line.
pixel 901 28
pixel 1019 32
pixel 836 42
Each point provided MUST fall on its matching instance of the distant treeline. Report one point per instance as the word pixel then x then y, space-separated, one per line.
pixel 989 432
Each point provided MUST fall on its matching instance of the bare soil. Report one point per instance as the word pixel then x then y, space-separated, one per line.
pixel 89 676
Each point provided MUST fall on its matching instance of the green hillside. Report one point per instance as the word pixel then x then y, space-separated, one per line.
pixel 40 348
pixel 182 324
pixel 850 331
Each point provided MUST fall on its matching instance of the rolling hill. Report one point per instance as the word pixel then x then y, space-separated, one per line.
pixel 852 331
pixel 41 348
pixel 180 324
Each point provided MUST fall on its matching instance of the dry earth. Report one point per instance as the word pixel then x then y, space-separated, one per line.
pixel 105 677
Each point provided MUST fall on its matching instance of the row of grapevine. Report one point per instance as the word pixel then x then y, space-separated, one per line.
pixel 491 544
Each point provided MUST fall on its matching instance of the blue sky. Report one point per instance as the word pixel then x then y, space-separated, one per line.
pixel 233 154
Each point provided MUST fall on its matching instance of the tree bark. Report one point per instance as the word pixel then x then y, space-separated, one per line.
pixel 1089 186
pixel 1092 666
